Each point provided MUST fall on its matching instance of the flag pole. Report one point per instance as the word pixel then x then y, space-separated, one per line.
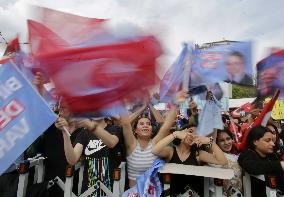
pixel 187 70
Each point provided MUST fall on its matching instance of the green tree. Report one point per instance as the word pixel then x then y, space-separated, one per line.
pixel 243 91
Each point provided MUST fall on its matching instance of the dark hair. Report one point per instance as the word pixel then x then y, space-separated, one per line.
pixel 155 126
pixel 234 149
pixel 237 54
pixel 256 133
pixel 219 131
pixel 177 141
pixel 274 127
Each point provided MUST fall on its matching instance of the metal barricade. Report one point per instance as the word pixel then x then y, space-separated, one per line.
pixel 207 172
pixel 67 187
pixel 23 169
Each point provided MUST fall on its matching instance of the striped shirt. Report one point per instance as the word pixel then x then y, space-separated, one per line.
pixel 140 161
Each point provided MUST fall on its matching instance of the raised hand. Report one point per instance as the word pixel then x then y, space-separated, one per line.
pixel 86 123
pixel 182 134
pixel 181 97
pixel 201 140
pixel 61 123
pixel 38 82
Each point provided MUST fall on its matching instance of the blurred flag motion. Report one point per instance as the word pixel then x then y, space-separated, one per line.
pixel 172 80
pixel 270 73
pixel 95 65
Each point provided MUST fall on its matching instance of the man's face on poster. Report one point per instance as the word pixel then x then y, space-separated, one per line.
pixel 235 65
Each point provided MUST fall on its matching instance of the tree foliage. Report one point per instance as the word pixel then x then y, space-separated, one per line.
pixel 243 91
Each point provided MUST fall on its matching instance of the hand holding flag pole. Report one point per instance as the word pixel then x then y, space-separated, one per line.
pixel 64 128
pixel 66 131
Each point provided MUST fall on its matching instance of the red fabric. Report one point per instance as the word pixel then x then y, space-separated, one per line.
pixel 247 107
pixel 262 119
pixel 91 77
pixel 12 47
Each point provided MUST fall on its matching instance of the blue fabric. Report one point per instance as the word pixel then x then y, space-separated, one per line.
pixel 210 63
pixel 148 184
pixel 272 67
pixel 210 118
pixel 172 80
pixel 24 115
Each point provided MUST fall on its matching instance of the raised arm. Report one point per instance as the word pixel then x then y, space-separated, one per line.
pixel 72 154
pixel 134 115
pixel 38 83
pixel 216 157
pixel 162 149
pixel 128 135
pixel 166 127
pixel 108 139
pixel 157 115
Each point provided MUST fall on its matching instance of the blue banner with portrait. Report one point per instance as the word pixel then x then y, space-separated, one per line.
pixel 270 72
pixel 231 63
pixel 24 115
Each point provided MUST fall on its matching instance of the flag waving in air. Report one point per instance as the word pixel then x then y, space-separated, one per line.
pixel 172 80
pixel 262 120
pixel 270 74
pixel 229 62
pixel 11 49
pixel 97 70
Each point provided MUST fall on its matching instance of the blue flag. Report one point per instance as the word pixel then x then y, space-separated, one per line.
pixel 148 184
pixel 24 116
pixel 172 80
pixel 270 73
pixel 230 63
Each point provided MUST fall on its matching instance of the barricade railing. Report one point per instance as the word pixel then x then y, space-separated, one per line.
pixel 218 174
pixel 67 187
pixel 23 169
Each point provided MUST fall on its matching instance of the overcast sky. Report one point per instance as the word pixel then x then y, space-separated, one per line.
pixel 174 21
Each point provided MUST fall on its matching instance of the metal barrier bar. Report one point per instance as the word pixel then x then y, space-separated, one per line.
pixel 23 169
pixel 204 171
pixel 119 180
pixel 81 176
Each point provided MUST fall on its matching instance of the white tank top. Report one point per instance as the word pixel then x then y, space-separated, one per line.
pixel 140 161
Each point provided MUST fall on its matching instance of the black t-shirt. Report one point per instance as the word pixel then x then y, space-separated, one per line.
pixel 53 149
pixel 100 160
pixel 179 181
pixel 51 145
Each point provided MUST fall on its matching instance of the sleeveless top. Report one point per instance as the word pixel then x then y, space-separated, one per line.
pixel 140 161
pixel 179 181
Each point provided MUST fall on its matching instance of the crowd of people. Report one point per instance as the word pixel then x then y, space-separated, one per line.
pixel 141 136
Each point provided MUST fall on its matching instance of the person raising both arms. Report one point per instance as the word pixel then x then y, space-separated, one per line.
pixel 139 140
pixel 96 142
pixel 188 152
